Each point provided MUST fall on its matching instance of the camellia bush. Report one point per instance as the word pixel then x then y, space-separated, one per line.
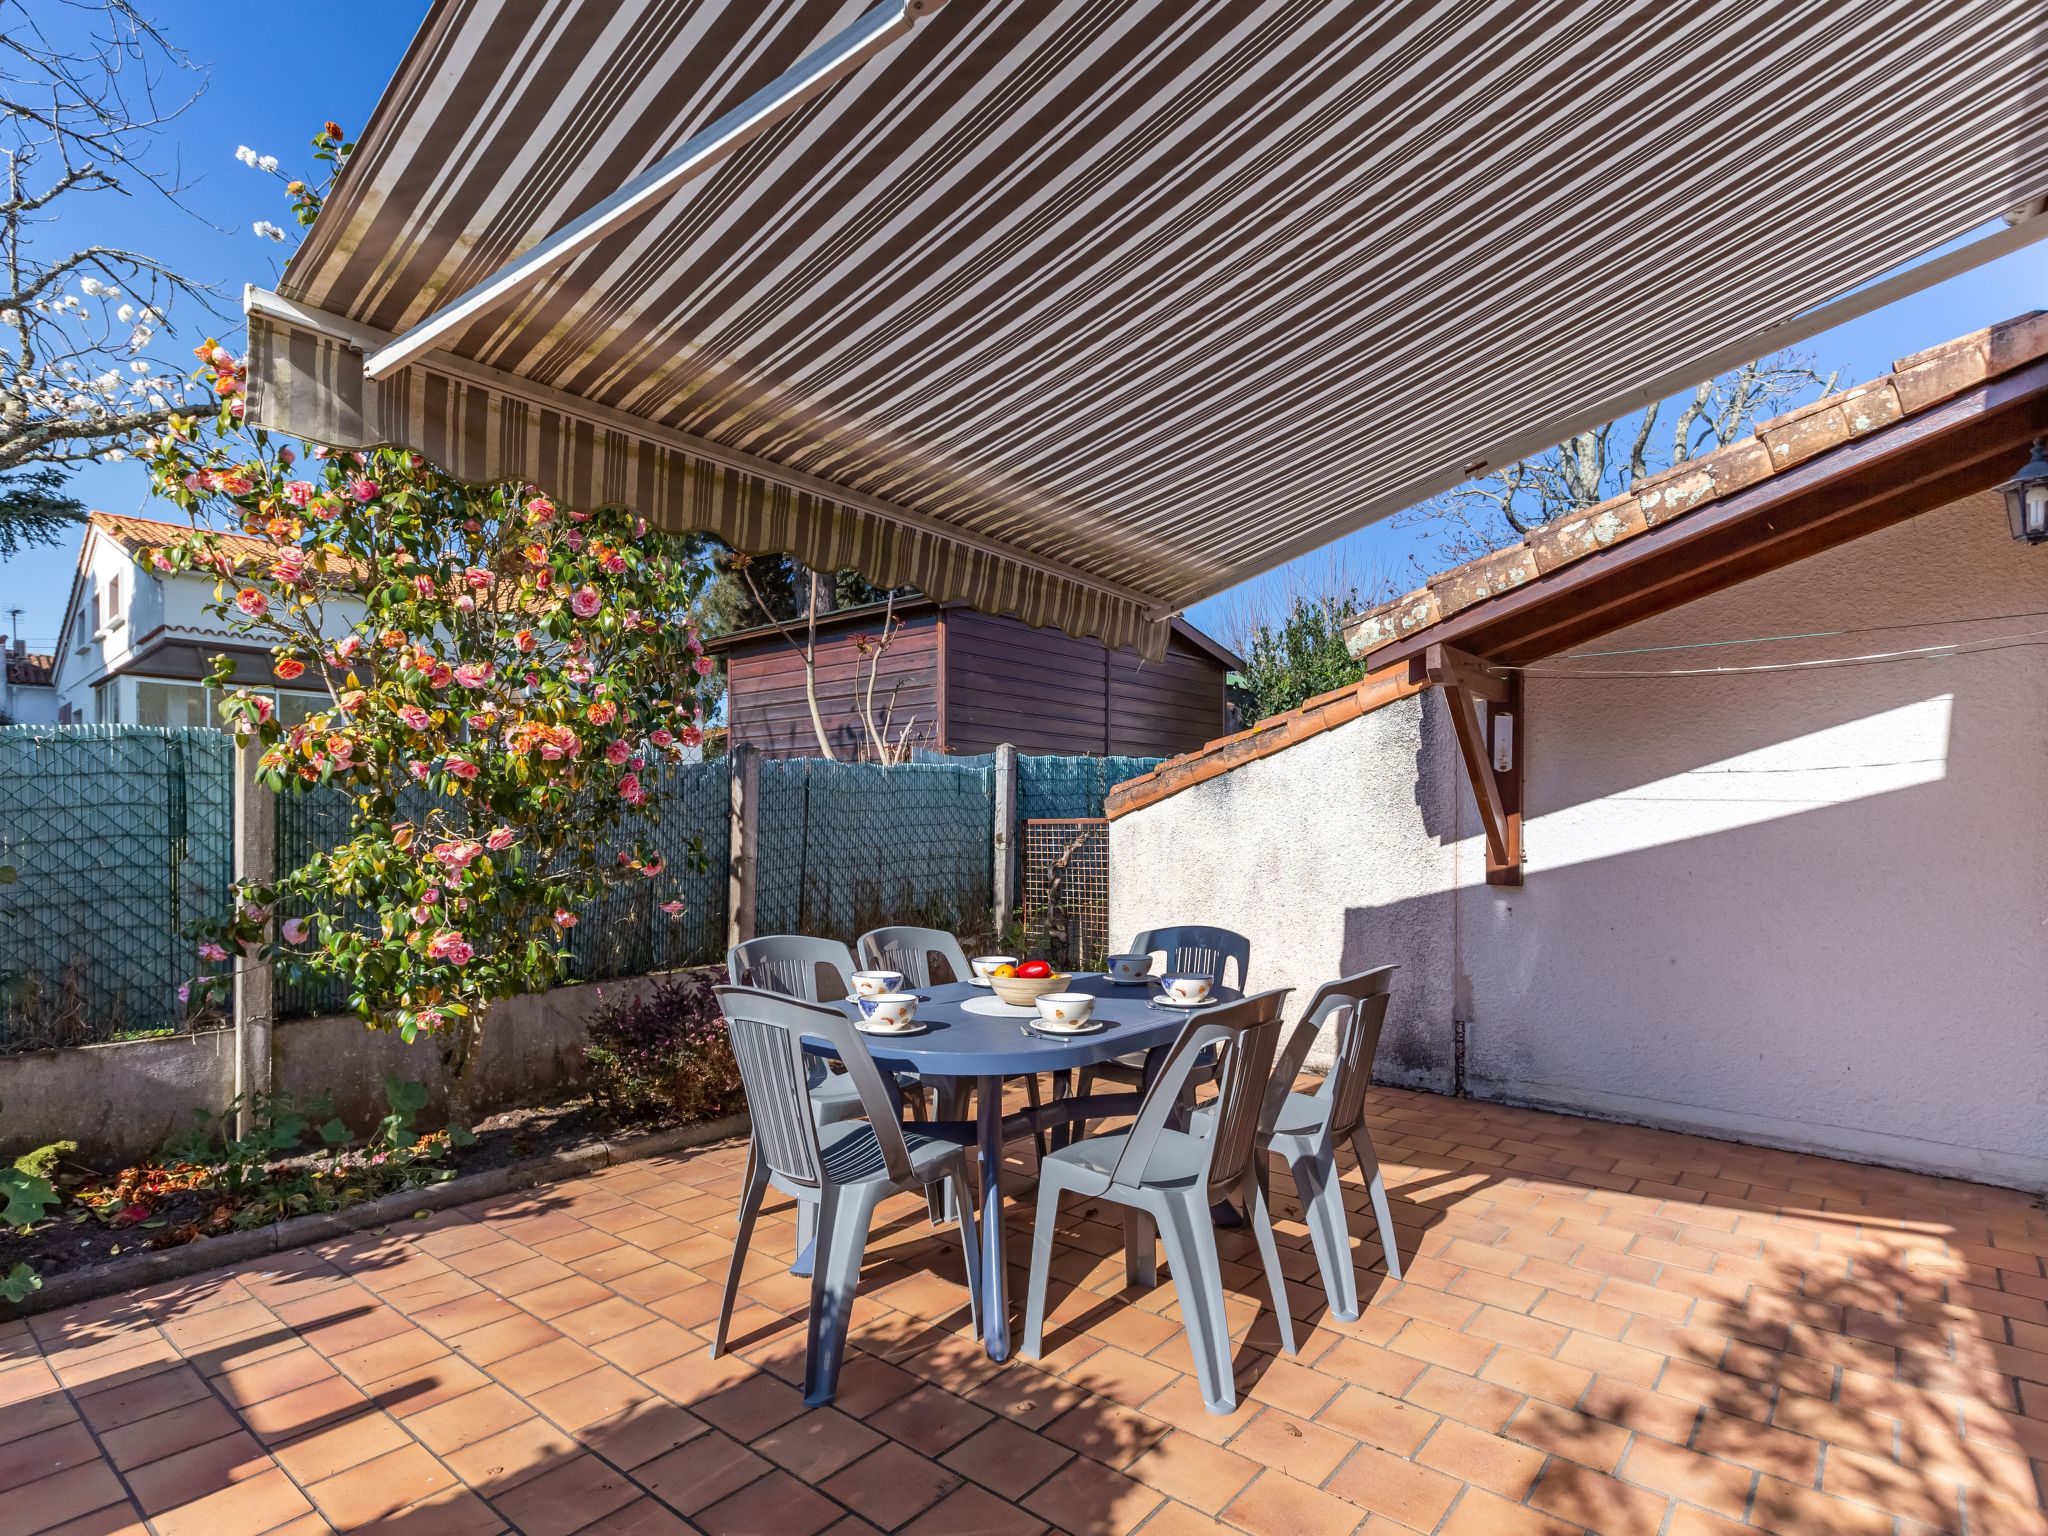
pixel 499 716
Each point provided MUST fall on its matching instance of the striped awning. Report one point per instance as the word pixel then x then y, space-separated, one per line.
pixel 1084 310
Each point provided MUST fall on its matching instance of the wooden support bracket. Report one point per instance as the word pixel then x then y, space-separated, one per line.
pixel 1490 741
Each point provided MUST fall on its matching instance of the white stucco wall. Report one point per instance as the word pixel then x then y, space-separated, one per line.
pixel 1799 908
pixel 1332 856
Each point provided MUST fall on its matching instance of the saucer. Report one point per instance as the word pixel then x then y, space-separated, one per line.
pixel 1118 981
pixel 1040 1027
pixel 914 1027
pixel 979 981
pixel 1163 1001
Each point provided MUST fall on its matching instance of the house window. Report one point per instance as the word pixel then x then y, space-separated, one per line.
pixel 106 701
pixel 173 704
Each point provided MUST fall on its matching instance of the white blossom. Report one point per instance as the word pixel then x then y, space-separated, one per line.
pixel 138 366
pixel 125 313
pixel 246 155
pixel 92 287
pixel 266 163
pixel 268 230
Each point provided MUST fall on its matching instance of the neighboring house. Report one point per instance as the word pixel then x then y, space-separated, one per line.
pixel 135 644
pixel 1780 717
pixel 966 682
pixel 28 690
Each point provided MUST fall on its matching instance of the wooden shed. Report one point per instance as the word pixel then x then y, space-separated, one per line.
pixel 967 681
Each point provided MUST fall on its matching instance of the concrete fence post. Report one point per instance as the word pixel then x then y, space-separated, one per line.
pixel 255 980
pixel 744 834
pixel 1003 849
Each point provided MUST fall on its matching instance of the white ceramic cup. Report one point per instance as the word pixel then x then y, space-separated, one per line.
pixel 875 983
pixel 1189 989
pixel 890 1010
pixel 1065 1010
pixel 1129 967
pixel 983 964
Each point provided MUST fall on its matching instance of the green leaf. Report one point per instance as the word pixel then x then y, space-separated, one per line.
pixel 333 1132
pixel 20 1283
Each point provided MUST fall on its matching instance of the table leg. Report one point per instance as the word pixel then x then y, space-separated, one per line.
pixel 995 1272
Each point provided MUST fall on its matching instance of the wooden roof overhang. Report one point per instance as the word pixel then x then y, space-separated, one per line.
pixel 1965 445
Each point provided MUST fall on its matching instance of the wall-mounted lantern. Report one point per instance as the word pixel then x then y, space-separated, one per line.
pixel 2026 498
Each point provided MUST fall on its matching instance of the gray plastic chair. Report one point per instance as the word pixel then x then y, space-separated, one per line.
pixel 840 1172
pixel 1171 1178
pixel 791 965
pixel 1190 949
pixel 911 950
pixel 1305 1128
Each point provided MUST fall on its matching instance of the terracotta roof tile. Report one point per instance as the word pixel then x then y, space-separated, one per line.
pixel 32 669
pixel 135 534
pixel 1917 382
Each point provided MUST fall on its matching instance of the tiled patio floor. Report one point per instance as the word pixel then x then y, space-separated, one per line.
pixel 1602 1327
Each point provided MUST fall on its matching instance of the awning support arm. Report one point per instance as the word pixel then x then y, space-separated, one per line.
pixel 1489 741
pixel 839 56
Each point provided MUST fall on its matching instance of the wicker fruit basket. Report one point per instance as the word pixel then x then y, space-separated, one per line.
pixel 1023 991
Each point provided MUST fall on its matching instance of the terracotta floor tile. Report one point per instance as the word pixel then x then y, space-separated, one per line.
pixel 777 1503
pixel 467 1419
pixel 1480 1513
pixel 1406 1491
pixel 1506 1467
pixel 55 1449
pixel 890 1485
pixel 457 1512
pixel 698 1474
pixel 972 1511
pixel 339 1446
pixel 497 1463
pixel 1199 1474
pixel 273 1377
pixel 1109 1432
pixel 544 1366
pixel 61 1497
pixel 257 1504
pixel 190 1475
pixel 1278 1505
pixel 1008 1457
pixel 752 1407
pixel 32 1415
pixel 568 1496
pixel 818 1443
pixel 929 1419
pixel 654 1343
pixel 642 1433
pixel 294 1413
pixel 381 1487
pixel 1593 1499
pixel 643 1517
pixel 1086 1496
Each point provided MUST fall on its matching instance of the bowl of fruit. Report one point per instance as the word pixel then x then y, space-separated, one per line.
pixel 1023 984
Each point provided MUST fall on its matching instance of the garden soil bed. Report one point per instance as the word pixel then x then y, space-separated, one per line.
pixel 70 1240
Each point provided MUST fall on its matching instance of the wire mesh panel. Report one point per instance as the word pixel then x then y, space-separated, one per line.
pixel 1066 889
pixel 845 847
pixel 121 837
pixel 626 933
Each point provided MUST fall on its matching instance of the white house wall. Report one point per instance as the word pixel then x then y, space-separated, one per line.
pixel 1799 908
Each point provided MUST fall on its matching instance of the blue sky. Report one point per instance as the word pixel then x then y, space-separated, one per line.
pixel 271 90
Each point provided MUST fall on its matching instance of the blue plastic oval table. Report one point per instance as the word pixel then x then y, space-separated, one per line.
pixel 970 1034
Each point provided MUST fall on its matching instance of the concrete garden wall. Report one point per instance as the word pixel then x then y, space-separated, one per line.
pixel 1803 908
pixel 121 1101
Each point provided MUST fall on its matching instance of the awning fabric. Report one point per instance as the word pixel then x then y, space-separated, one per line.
pixel 1084 310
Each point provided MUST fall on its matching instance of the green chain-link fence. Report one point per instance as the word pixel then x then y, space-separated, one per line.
pixel 845 847
pixel 625 934
pixel 120 837
pixel 1054 788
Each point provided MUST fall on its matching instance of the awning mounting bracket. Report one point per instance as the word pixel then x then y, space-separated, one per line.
pixel 1486 710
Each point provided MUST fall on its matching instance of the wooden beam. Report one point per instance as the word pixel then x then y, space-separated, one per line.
pixel 1490 742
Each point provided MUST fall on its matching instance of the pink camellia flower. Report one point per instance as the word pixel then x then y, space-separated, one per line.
pixel 463 768
pixel 185 992
pixel 347 647
pixel 662 737
pixel 198 481
pixel 232 482
pixel 299 492
pixel 352 698
pixel 473 674
pixel 363 488
pixel 294 930
pixel 603 712
pixel 639 527
pixel 159 560
pixel 573 539
pixel 289 667
pixel 630 790
pixel 615 563
pixel 415 718
pixel 290 568
pixel 472 525
pixel 579 517
pixel 450 946
pixel 264 708
pixel 654 866
pixel 252 602
pixel 458 855
pixel 286 457
pixel 478 578
pixel 423 585
pixel 465 604
pixel 616 752
pixel 419 771
pixel 672 908
pixel 431 1018
pixel 212 952
pixel 585 602
pixel 541 510
pixel 692 737
pixel 430 895
pixel 501 837
pixel 525 641
pixel 322 451
pixel 704 666
pixel 564 918
pixel 440 675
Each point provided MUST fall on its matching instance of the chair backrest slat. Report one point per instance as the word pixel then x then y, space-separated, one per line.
pixel 768 1031
pixel 1196 949
pixel 1244 1035
pixel 911 951
pixel 1358 1004
pixel 792 965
